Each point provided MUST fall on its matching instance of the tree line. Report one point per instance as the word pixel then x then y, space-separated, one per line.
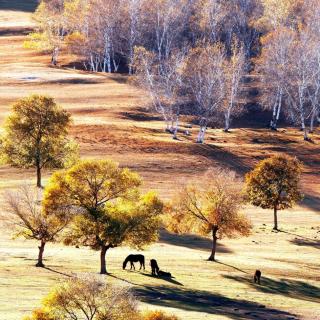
pixel 193 56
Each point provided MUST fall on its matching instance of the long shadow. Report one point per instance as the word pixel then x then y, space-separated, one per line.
pixel 286 287
pixel 190 241
pixel 55 271
pixel 167 279
pixel 208 302
pixel 306 243
pixel 14 31
pixel 139 116
pixel 18 5
pixel 74 81
pixel 231 266
pixel 121 279
pixel 296 235
pixel 221 155
pixel 311 202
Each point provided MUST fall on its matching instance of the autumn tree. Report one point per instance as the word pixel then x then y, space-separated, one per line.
pixel 274 184
pixel 211 206
pixel 203 76
pixel 26 215
pixel 36 135
pixel 50 30
pixel 108 207
pixel 272 66
pixel 234 71
pixel 162 81
pixel 87 298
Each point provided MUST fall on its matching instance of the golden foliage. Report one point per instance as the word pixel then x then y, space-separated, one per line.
pixel 274 183
pixel 212 204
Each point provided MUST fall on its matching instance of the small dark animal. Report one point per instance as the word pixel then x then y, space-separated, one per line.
pixel 257 276
pixel 164 274
pixel 134 258
pixel 154 267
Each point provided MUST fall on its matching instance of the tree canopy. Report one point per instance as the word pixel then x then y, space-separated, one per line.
pixel 274 184
pixel 108 206
pixel 211 206
pixel 36 135
pixel 29 220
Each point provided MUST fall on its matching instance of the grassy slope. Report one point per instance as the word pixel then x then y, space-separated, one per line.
pixel 109 121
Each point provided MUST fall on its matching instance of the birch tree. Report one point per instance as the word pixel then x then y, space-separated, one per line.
pixel 203 76
pixel 301 77
pixel 234 72
pixel 273 65
pixel 51 31
pixel 162 82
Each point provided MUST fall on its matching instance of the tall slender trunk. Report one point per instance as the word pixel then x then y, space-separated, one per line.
pixel 275 123
pixel 103 268
pixel 39 176
pixel 227 119
pixel 54 56
pixel 275 216
pixel 201 135
pixel 313 118
pixel 214 244
pixel 40 255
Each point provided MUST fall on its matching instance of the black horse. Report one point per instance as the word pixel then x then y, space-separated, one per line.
pixel 134 258
pixel 154 267
pixel 257 276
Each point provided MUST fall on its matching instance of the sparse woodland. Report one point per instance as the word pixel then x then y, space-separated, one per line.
pixel 194 56
pixel 194 60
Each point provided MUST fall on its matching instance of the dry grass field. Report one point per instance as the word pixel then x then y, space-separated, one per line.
pixel 110 121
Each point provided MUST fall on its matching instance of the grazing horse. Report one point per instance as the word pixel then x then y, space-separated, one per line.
pixel 257 276
pixel 134 258
pixel 154 267
pixel 164 274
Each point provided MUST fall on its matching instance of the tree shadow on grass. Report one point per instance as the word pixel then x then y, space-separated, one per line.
pixel 208 302
pixel 58 272
pixel 231 266
pixel 286 287
pixel 311 202
pixel 306 243
pixel 190 241
pixel 18 5
pixel 167 279
pixel 296 235
pixel 221 156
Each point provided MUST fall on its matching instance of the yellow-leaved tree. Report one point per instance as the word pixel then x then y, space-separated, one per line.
pixel 274 184
pixel 89 298
pixel 36 136
pixel 210 206
pixel 109 210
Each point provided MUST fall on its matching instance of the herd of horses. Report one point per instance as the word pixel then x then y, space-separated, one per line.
pixel 155 270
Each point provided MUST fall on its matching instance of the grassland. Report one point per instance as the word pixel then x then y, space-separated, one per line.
pixel 110 121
